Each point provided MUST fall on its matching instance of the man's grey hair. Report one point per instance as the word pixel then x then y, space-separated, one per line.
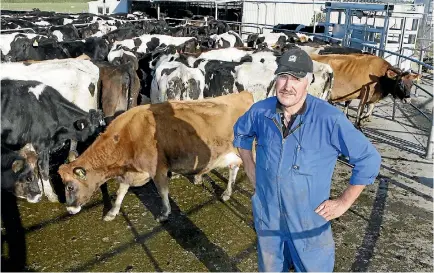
pixel 309 77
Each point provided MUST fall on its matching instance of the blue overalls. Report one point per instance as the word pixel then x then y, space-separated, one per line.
pixel 293 177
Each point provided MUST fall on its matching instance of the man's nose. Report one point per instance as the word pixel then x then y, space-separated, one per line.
pixel 288 84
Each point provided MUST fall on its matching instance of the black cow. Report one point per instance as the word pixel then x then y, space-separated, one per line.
pixel 64 33
pixel 94 47
pixel 41 48
pixel 38 114
pixel 219 79
pixel 87 31
pixel 217 27
pixel 297 27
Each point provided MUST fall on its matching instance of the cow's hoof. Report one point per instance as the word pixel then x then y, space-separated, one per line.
pixel 162 218
pixel 109 217
pixel 53 198
pixel 198 180
pixel 226 196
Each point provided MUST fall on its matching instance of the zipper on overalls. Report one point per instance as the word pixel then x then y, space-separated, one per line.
pixel 280 163
pixel 283 139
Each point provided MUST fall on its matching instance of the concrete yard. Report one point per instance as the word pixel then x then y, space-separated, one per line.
pixel 389 228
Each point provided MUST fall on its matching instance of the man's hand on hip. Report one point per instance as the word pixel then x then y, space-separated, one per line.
pixel 331 209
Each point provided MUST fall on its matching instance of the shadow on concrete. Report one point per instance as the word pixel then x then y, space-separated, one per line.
pixel 393 141
pixel 13 235
pixel 185 232
pixel 365 252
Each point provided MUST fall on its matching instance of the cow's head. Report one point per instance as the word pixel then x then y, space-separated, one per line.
pixel 89 125
pixel 97 48
pixel 78 189
pixel 28 182
pixel 83 175
pixel 252 39
pixel 24 177
pixel 400 83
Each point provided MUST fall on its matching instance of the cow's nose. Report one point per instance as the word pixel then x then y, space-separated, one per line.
pixel 73 210
pixel 34 199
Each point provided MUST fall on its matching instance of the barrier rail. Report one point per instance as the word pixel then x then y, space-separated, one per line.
pixel 15 30
pixel 423 89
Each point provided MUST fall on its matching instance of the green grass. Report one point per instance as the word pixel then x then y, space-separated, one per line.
pixel 73 6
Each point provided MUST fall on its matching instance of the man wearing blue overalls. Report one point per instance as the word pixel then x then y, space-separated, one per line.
pixel 299 138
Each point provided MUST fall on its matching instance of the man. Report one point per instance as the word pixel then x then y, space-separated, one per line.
pixel 299 138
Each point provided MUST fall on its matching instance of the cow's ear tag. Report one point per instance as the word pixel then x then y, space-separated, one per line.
pixel 80 173
pixel 18 165
pixel 35 43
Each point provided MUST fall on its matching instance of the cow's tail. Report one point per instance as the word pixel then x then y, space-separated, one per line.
pixel 329 85
pixel 133 87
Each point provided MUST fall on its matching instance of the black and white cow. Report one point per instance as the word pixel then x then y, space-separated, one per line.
pixel 121 55
pixel 22 47
pixel 64 33
pixel 19 173
pixel 285 41
pixel 19 46
pixel 298 27
pixel 86 84
pixel 33 112
pixel 217 73
pixel 269 40
pixel 228 39
pixel 149 42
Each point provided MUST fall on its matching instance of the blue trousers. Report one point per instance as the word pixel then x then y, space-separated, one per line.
pixel 276 253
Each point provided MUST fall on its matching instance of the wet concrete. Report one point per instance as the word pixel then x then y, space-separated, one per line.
pixel 389 228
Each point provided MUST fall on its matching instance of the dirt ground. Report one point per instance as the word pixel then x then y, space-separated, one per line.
pixel 389 228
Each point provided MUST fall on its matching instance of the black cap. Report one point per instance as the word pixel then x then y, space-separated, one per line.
pixel 295 62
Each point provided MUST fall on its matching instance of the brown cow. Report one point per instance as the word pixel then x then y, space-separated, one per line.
pixel 119 88
pixel 151 141
pixel 365 77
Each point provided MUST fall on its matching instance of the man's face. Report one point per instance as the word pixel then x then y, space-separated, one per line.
pixel 290 90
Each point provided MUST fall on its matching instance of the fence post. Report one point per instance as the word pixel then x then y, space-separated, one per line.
pixel 429 148
pixel 314 16
pixel 419 70
pixel 394 109
pixel 216 10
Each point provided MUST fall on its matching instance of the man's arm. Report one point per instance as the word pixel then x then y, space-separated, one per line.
pixel 244 135
pixel 249 165
pixel 331 209
pixel 366 160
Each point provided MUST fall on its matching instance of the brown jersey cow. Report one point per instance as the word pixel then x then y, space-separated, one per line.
pixel 365 77
pixel 150 141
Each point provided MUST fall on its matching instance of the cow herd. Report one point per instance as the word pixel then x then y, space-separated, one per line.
pixel 104 82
